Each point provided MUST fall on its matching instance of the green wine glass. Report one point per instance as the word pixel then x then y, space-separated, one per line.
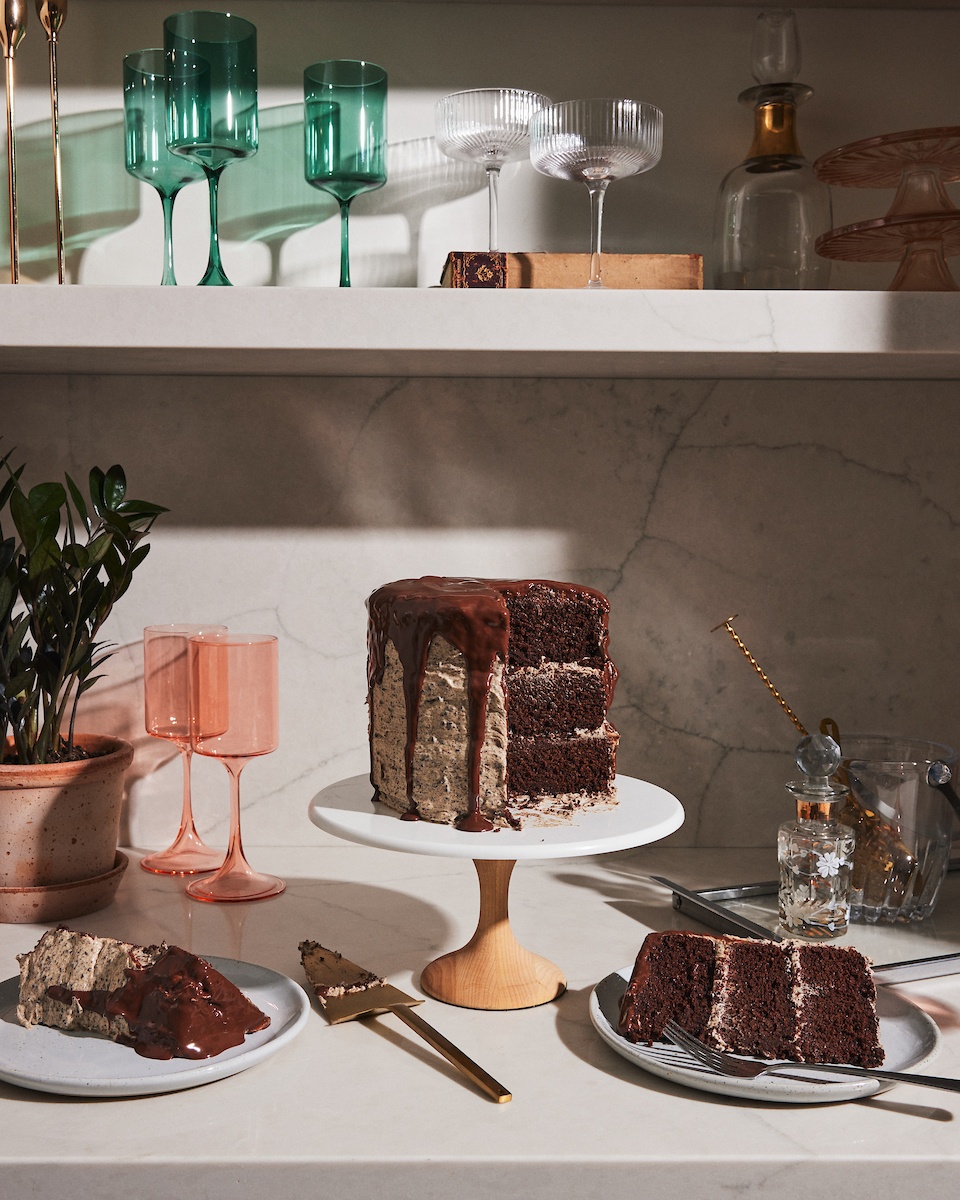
pixel 211 101
pixel 345 135
pixel 145 140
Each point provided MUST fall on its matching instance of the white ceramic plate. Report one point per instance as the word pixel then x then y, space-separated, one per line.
pixel 909 1038
pixel 644 813
pixel 83 1064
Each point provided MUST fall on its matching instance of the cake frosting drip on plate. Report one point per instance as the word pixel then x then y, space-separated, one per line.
pixel 488 700
pixel 160 1000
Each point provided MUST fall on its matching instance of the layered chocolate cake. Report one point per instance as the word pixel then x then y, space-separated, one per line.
pixel 488 700
pixel 809 1002
pixel 160 1000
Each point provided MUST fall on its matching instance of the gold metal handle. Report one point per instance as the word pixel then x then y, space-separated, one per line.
pixel 453 1054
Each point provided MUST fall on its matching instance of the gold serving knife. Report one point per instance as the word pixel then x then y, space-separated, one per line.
pixel 346 991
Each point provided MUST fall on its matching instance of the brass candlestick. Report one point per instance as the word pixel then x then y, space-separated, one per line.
pixel 52 14
pixel 12 29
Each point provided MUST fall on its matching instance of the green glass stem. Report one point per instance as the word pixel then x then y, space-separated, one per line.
pixel 169 278
pixel 214 276
pixel 344 243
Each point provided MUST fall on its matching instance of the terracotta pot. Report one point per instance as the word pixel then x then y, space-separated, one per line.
pixel 60 822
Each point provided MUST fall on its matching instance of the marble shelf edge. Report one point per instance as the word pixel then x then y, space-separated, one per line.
pixel 437 332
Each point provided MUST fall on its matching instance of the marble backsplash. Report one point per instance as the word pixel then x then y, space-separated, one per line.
pixel 825 513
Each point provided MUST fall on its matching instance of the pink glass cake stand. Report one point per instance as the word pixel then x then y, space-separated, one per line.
pixel 493 971
pixel 922 226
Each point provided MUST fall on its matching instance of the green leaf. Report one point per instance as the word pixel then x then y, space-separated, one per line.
pixel 99 547
pixel 8 552
pixel 47 499
pixel 114 487
pixel 96 490
pixel 24 519
pixel 79 504
pixel 46 557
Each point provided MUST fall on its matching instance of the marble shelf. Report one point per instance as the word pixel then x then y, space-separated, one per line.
pixel 435 332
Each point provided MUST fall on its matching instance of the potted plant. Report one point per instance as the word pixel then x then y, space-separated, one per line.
pixel 64 563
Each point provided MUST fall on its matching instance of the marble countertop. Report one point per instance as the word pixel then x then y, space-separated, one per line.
pixel 366 1109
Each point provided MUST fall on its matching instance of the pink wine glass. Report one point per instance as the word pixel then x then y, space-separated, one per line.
pixel 234 681
pixel 166 709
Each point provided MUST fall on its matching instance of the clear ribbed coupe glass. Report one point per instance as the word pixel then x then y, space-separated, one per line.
pixel 490 126
pixel 595 142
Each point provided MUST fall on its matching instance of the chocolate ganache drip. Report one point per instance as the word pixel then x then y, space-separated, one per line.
pixel 472 616
pixel 180 1007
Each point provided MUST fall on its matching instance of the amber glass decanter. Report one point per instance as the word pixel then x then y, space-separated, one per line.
pixel 772 207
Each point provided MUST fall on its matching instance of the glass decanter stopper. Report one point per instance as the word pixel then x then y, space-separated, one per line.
pixel 772 207
pixel 815 851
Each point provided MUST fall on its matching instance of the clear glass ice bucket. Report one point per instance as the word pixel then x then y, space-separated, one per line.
pixel 903 825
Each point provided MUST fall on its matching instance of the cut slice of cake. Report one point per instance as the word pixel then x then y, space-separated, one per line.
pixel 488 700
pixel 162 1001
pixel 774 1000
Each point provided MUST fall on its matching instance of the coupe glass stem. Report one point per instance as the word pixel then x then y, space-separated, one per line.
pixel 215 275
pixel 344 243
pixel 597 192
pixel 169 278
pixel 493 182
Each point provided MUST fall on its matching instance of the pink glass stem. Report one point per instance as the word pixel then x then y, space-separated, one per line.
pixel 188 854
pixel 235 880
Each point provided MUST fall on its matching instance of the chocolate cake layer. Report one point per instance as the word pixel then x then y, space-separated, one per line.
pixel 482 691
pixel 775 1000
pixel 555 700
pixel 561 767
pixel 672 980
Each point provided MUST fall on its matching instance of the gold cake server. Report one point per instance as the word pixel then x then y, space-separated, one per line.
pixel 346 991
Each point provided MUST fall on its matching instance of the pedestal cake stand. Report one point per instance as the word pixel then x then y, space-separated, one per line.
pixel 922 226
pixel 493 970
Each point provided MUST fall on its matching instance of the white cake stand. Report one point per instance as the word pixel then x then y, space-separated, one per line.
pixel 493 970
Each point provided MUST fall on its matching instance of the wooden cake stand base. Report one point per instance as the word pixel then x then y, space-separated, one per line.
pixel 493 970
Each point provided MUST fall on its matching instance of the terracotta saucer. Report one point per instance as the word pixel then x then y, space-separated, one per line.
pixel 57 902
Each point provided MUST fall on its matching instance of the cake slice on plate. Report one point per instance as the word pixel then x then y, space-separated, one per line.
pixel 162 1001
pixel 807 1002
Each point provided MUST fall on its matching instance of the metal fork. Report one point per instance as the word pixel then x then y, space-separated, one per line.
pixel 749 1068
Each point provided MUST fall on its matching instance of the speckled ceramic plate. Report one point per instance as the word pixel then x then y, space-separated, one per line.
pixel 909 1037
pixel 83 1064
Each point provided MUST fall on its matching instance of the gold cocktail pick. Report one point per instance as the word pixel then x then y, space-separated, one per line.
pixel 52 14
pixel 728 626
pixel 12 29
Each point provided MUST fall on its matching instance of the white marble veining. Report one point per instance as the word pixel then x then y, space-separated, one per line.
pixel 345 1107
pixel 824 513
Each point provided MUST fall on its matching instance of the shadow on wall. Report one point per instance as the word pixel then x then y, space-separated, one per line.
pixel 818 511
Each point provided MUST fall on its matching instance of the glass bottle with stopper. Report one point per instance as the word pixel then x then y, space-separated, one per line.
pixel 772 207
pixel 815 851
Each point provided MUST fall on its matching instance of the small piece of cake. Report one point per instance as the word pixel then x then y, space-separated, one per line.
pixel 162 1001
pixel 488 700
pixel 808 1002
